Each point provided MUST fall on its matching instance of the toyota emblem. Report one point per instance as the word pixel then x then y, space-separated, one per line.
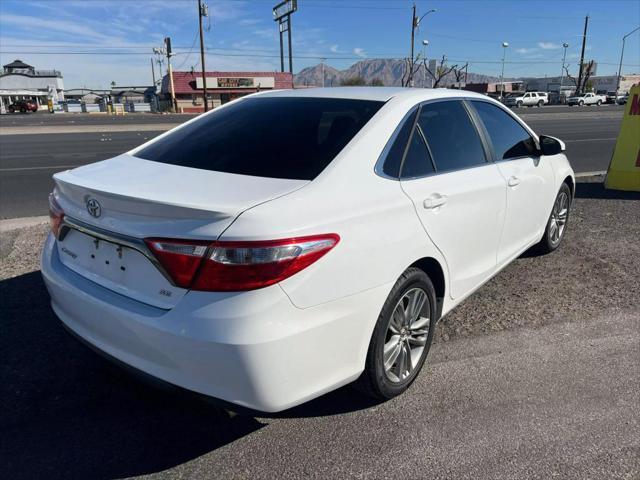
pixel 93 207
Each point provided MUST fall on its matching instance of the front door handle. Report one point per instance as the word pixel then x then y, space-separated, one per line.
pixel 434 201
pixel 513 181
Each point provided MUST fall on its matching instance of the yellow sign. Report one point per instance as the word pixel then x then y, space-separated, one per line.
pixel 624 169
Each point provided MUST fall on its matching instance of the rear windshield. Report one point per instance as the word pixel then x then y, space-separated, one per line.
pixel 290 138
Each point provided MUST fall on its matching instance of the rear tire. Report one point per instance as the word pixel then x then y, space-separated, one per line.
pixel 557 222
pixel 599 102
pixel 540 103
pixel 401 338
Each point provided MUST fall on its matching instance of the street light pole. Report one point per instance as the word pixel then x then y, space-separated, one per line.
pixel 322 60
pixel 564 58
pixel 505 45
pixel 622 55
pixel 425 43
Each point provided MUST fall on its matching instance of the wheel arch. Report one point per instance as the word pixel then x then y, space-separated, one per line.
pixel 571 184
pixel 435 272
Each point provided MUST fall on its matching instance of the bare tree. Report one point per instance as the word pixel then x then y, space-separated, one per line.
pixel 459 72
pixel 586 74
pixel 441 71
pixel 410 67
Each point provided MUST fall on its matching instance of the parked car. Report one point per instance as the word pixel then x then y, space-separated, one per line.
pixel 622 99
pixel 586 99
pixel 527 99
pixel 322 250
pixel 613 97
pixel 23 106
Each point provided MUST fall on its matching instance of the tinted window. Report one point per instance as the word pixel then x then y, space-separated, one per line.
pixel 294 138
pixel 417 163
pixel 452 138
pixel 509 138
pixel 396 150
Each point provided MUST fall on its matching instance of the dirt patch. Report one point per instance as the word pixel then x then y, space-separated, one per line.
pixel 20 250
pixel 595 270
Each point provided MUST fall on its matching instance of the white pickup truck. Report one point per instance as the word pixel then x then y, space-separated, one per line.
pixel 586 99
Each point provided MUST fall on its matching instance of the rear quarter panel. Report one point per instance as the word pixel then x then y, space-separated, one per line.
pixel 380 233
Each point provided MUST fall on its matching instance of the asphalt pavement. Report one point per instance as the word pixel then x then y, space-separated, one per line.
pixel 535 376
pixel 27 160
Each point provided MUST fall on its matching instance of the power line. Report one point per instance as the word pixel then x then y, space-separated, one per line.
pixel 310 57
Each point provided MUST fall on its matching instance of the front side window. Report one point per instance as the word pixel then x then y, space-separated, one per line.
pixel 277 137
pixel 509 138
pixel 451 136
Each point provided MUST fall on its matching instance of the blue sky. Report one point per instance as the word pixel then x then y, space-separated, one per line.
pixel 94 42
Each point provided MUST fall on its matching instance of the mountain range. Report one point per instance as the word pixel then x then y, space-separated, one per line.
pixel 388 70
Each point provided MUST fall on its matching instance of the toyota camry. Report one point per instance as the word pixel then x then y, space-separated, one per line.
pixel 291 242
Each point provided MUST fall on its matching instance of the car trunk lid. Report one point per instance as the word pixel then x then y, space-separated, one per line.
pixel 118 202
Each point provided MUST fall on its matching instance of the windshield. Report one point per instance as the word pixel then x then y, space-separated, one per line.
pixel 277 137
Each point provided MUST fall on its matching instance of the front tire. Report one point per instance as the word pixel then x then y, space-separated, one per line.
pixel 401 338
pixel 519 104
pixel 581 104
pixel 557 223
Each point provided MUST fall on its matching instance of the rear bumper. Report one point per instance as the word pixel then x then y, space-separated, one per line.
pixel 254 349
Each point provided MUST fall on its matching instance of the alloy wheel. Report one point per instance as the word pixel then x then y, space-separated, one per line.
pixel 406 336
pixel 559 216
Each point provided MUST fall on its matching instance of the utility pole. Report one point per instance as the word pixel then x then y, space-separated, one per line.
pixel 621 55
pixel 564 58
pixel 580 88
pixel 167 48
pixel 415 23
pixel 203 11
pixel 323 60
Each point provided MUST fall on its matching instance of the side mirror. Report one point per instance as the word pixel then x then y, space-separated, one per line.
pixel 551 145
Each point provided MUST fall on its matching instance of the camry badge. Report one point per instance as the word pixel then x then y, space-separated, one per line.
pixel 93 207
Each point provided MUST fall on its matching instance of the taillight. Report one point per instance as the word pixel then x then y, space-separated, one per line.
pixel 179 258
pixel 56 214
pixel 238 266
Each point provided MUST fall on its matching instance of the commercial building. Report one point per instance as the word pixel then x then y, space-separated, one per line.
pixel 20 81
pixel 222 87
pixel 493 88
pixel 606 83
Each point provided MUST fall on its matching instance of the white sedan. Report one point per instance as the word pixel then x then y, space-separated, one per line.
pixel 291 242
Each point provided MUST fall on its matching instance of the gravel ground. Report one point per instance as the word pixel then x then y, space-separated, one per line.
pixel 595 269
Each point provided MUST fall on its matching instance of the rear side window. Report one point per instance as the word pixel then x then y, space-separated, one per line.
pixel 452 137
pixel 509 138
pixel 417 163
pixel 277 137
pixel 395 152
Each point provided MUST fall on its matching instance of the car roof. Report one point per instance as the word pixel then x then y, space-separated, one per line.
pixel 381 94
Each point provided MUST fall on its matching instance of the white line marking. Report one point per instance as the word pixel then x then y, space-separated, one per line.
pixel 590 140
pixel 53 167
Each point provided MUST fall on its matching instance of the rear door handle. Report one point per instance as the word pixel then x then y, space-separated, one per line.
pixel 434 201
pixel 513 181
